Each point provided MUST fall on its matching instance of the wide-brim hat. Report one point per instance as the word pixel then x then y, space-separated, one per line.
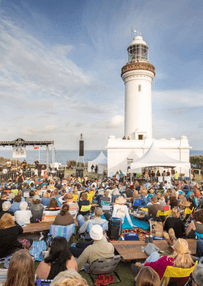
pixel 120 200
pixel 185 203
pixel 181 246
pixel 69 196
pixel 96 232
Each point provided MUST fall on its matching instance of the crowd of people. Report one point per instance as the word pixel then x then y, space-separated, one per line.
pixel 30 200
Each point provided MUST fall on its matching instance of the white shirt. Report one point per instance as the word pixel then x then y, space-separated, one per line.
pixel 120 211
pixel 23 216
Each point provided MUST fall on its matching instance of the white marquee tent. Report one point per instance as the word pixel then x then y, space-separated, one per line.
pixel 155 157
pixel 100 161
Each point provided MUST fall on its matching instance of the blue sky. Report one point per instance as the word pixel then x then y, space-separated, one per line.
pixel 60 64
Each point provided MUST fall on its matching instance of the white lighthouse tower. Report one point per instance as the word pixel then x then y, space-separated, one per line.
pixel 138 75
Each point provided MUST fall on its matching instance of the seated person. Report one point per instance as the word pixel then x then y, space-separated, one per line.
pixel 73 206
pixel 21 269
pixel 144 196
pixel 196 225
pixel 52 208
pixel 5 209
pixel 64 217
pixel 153 209
pixel 36 209
pixel 46 199
pixel 175 223
pixel 100 248
pixel 23 215
pixel 69 277
pixel 180 258
pixel 4 198
pixel 147 276
pixel 9 233
pixel 59 259
pixel 121 211
pixel 104 198
pixel 16 203
pixel 197 276
pixel 97 220
pixel 83 203
pixel 31 195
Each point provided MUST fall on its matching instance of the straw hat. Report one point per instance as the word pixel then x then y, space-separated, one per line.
pixel 96 232
pixel 120 200
pixel 181 246
pixel 185 203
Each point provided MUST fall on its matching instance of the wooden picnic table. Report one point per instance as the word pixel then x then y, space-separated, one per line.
pixel 36 227
pixel 132 250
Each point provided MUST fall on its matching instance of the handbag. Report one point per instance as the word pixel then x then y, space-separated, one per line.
pixel 156 227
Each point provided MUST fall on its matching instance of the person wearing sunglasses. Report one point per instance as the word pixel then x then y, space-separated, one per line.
pixel 196 278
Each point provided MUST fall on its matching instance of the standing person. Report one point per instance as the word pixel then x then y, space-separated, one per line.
pixel 20 181
pixel 96 169
pixel 21 270
pixel 92 168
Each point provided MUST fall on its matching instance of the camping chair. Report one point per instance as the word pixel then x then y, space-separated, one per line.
pixel 75 198
pixel 164 214
pixel 89 197
pixel 187 213
pixel 144 210
pixel 105 205
pixel 3 275
pixel 177 275
pixel 104 266
pixel 137 204
pixel 86 208
pixel 86 236
pixel 43 282
pixel 62 230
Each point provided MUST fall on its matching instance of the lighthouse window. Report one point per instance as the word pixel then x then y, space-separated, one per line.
pixel 140 137
pixel 139 87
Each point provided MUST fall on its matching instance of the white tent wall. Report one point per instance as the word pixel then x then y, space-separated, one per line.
pixel 100 161
pixel 154 157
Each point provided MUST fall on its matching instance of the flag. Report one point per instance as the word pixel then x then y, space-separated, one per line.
pixel 36 147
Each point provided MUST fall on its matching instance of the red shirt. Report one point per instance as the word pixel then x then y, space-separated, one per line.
pixel 160 265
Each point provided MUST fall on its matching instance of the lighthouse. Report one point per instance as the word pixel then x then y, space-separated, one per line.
pixel 138 74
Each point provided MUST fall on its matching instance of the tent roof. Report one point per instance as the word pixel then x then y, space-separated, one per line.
pixel 100 160
pixel 155 157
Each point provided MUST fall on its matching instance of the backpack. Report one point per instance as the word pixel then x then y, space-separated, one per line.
pixel 114 230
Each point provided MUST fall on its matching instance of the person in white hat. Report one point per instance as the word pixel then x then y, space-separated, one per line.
pixel 100 248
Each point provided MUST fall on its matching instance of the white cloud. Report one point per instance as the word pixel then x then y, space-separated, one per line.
pixel 29 131
pixel 116 121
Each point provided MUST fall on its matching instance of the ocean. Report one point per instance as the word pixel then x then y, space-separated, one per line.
pixel 62 156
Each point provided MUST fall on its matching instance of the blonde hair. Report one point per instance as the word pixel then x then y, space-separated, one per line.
pixel 69 278
pixel 181 255
pixel 46 195
pixel 6 221
pixel 147 276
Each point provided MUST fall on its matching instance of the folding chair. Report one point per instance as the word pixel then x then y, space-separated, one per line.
pixel 86 236
pixel 176 274
pixel 104 266
pixel 62 230
pixel 165 214
pixel 75 198
pixel 105 205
